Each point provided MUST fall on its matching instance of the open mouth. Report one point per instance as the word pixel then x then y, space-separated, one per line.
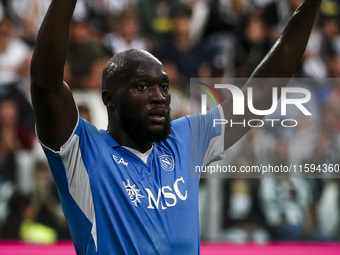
pixel 157 115
pixel 157 118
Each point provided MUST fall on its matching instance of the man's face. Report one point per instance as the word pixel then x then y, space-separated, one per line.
pixel 143 104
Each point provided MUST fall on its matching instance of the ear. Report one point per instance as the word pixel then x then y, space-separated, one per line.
pixel 108 98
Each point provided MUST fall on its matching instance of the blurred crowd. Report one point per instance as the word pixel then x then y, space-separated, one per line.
pixel 193 38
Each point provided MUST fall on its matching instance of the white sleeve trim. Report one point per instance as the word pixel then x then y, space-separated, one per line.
pixel 216 143
pixel 220 109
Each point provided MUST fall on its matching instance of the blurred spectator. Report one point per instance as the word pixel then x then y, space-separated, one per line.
pixel 327 145
pixel 330 43
pixel 276 14
pixel 242 218
pixel 155 19
pixel 224 16
pixel 19 205
pixel 257 146
pixel 2 9
pixel 25 112
pixel 200 13
pixel 313 64
pixel 27 15
pixel 125 33
pixel 328 210
pixel 280 155
pixel 83 52
pixel 99 11
pixel 286 203
pixel 13 138
pixel 178 53
pixel 251 46
pixel 93 79
pixel 180 103
pixel 46 203
pixel 89 94
pixel 330 18
pixel 92 100
pixel 13 53
pixel 20 225
pixel 84 112
pixel 333 67
pixel 18 91
pixel 302 142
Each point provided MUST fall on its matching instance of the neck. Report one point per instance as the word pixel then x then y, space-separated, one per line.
pixel 125 140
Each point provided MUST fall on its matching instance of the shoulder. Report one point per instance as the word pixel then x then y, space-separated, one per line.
pixel 84 137
pixel 86 127
pixel 184 125
pixel 180 127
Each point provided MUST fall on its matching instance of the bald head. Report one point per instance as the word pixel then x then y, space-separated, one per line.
pixel 123 65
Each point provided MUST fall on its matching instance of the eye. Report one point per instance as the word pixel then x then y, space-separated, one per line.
pixel 164 86
pixel 142 86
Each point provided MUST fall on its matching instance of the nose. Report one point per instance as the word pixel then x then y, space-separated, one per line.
pixel 157 95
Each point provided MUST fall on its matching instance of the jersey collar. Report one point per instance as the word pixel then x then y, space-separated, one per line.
pixel 109 139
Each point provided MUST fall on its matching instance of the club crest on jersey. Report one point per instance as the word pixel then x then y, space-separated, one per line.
pixel 133 192
pixel 167 162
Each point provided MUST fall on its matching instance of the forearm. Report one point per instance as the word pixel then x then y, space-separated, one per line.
pixel 51 48
pixel 285 56
pixel 281 62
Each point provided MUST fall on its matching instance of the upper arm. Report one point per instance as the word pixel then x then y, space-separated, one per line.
pixel 262 102
pixel 55 113
pixel 54 108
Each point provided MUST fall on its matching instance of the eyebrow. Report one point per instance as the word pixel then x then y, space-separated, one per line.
pixel 146 76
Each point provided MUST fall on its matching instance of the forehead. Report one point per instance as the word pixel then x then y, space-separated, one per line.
pixel 129 66
pixel 150 68
pixel 146 67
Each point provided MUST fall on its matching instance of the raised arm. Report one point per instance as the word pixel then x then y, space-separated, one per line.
pixel 281 62
pixel 53 104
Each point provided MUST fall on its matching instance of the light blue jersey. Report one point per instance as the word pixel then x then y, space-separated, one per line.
pixel 117 204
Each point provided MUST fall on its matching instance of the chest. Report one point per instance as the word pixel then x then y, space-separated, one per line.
pixel 163 182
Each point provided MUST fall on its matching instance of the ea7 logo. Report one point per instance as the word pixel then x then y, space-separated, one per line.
pixel 167 162
pixel 120 161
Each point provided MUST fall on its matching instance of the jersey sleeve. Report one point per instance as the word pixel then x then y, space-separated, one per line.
pixel 206 141
pixel 70 167
pixel 206 137
pixel 71 164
